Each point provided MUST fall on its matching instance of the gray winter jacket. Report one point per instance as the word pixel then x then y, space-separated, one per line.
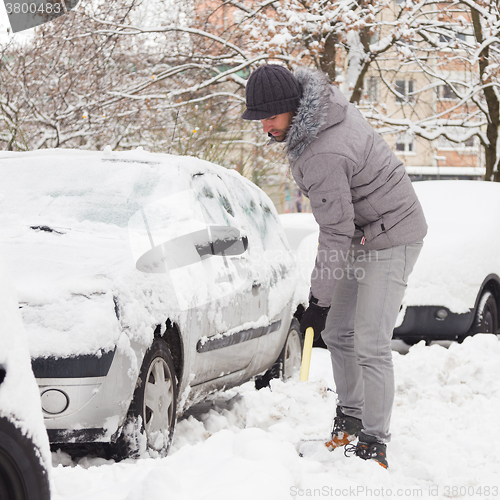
pixel 356 184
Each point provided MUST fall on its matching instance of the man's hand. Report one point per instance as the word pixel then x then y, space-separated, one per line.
pixel 314 316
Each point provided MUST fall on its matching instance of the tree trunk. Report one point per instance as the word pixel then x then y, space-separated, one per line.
pixel 492 103
pixel 327 58
pixel 364 38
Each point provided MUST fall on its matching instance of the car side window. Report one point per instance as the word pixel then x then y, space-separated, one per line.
pixel 213 199
pixel 261 215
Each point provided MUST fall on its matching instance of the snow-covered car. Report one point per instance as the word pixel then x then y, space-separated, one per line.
pixel 454 290
pixel 146 282
pixel 24 447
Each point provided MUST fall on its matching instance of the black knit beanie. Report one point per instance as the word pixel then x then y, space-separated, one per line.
pixel 271 90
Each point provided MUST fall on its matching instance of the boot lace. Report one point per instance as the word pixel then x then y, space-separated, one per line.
pixel 350 449
pixel 360 450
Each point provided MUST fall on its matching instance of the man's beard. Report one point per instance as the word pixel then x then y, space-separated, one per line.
pixel 278 138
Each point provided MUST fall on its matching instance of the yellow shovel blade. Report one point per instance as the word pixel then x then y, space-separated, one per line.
pixel 306 354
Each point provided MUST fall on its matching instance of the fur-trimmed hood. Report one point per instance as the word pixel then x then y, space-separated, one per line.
pixel 321 105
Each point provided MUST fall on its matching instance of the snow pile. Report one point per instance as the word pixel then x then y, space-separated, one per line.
pixel 244 443
pixel 19 396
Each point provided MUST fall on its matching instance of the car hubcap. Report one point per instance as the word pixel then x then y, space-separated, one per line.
pixel 293 355
pixel 158 400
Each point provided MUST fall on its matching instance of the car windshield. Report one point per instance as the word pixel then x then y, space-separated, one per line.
pixel 107 191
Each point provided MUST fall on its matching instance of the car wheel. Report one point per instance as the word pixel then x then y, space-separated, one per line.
pixel 292 353
pixel 152 414
pixel 486 319
pixel 289 360
pixel 22 475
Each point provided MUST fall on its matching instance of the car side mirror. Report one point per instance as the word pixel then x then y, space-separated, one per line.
pixel 224 241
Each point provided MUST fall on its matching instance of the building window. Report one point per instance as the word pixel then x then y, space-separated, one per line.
pixel 448 38
pixel 405 42
pixel 447 92
pixel 445 144
pixel 469 143
pixel 404 143
pixel 371 89
pixel 404 89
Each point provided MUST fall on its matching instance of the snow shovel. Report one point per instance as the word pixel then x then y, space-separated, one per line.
pixel 306 355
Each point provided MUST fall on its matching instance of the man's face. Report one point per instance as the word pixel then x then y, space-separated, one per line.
pixel 278 125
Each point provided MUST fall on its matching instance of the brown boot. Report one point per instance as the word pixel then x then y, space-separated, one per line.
pixel 345 430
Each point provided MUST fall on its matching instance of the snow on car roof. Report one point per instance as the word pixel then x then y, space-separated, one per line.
pixel 461 247
pixel 119 182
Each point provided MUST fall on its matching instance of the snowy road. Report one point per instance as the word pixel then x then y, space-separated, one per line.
pixel 243 444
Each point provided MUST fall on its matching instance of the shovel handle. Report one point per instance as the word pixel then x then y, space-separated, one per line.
pixel 306 355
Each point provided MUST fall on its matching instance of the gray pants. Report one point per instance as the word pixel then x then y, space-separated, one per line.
pixel 359 329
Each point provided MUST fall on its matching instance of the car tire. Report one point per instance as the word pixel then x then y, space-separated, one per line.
pixel 486 318
pixel 22 475
pixel 289 360
pixel 151 417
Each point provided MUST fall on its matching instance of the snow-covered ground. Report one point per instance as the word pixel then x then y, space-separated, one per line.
pixel 243 445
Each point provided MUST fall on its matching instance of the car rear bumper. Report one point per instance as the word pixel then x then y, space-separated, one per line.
pixel 424 323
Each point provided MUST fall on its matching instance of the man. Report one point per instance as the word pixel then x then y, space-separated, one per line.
pixel 371 231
